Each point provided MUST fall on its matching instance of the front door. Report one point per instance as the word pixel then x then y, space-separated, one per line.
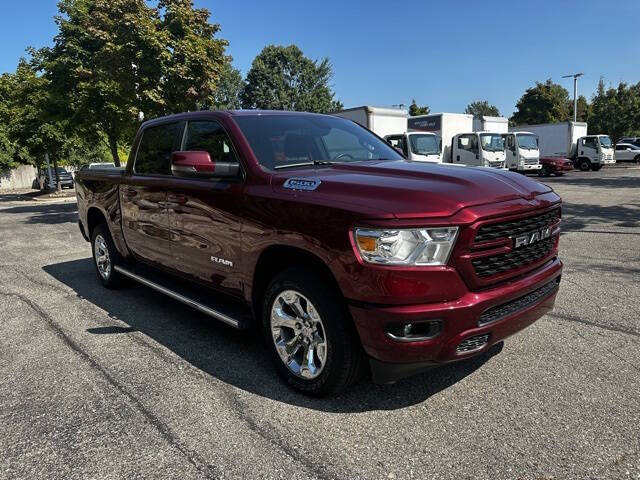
pixel 467 150
pixel 143 194
pixel 589 148
pixel 511 151
pixel 204 214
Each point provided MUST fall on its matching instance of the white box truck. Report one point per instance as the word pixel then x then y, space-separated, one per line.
pixel 417 146
pixel 570 140
pixel 380 120
pixel 481 149
pixel 521 152
pixel 484 123
pixel 444 125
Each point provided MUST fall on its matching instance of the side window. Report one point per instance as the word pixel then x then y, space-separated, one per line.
pixel 209 136
pixel 621 147
pixel 155 148
pixel 467 142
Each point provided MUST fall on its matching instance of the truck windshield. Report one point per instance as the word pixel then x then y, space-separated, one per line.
pixel 283 141
pixel 425 144
pixel 528 142
pixel 492 142
pixel 605 141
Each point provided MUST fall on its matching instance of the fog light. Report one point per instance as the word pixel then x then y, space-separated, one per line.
pixel 415 331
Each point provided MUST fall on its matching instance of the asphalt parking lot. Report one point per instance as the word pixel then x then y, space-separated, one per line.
pixel 130 384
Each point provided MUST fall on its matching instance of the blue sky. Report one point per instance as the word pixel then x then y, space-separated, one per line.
pixel 444 54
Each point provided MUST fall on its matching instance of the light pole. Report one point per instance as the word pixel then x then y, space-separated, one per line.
pixel 575 93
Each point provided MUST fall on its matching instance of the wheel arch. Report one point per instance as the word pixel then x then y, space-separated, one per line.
pixel 276 258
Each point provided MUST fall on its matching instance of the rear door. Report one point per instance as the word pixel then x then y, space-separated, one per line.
pixel 204 214
pixel 143 194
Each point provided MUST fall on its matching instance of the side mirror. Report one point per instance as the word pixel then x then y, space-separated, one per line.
pixel 198 164
pixel 399 150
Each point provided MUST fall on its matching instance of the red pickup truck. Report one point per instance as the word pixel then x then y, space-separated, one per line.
pixel 346 255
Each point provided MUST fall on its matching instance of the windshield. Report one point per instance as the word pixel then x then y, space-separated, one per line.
pixel 528 142
pixel 282 141
pixel 61 170
pixel 605 141
pixel 425 144
pixel 492 142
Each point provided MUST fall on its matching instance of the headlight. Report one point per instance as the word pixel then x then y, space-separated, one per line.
pixel 420 246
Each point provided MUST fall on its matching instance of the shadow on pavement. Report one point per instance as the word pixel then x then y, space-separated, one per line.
pixel 592 180
pixel 49 213
pixel 577 216
pixel 238 358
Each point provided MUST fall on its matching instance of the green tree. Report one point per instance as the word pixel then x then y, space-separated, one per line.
pixel 282 78
pixel 415 110
pixel 584 109
pixel 482 107
pixel 8 148
pixel 193 59
pixel 113 59
pixel 615 111
pixel 227 94
pixel 544 103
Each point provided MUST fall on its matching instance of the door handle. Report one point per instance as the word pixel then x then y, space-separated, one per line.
pixel 177 198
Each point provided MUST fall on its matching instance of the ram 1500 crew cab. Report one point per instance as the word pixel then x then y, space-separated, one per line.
pixel 344 254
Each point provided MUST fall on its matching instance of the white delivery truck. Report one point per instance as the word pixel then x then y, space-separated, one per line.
pixel 417 146
pixel 521 152
pixel 380 120
pixel 443 125
pixel 570 140
pixel 482 149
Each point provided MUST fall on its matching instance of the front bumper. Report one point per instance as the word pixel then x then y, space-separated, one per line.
pixel 460 320
pixel 529 168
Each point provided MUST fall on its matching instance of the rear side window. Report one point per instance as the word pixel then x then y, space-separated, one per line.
pixel 155 149
pixel 209 136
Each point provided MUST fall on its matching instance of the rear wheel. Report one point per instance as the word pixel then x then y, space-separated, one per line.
pixel 584 164
pixel 309 334
pixel 105 257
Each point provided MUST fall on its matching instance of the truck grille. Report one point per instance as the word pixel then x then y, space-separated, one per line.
pixel 531 161
pixel 487 266
pixel 501 311
pixel 516 227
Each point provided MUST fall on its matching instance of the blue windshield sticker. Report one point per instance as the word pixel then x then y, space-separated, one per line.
pixel 307 184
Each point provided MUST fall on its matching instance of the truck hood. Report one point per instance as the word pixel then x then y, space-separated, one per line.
pixel 404 189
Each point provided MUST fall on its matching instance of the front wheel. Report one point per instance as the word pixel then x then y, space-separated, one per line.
pixel 637 159
pixel 545 171
pixel 595 168
pixel 584 164
pixel 309 334
pixel 105 257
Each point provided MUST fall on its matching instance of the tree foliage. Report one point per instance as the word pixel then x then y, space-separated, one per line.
pixel 282 78
pixel 414 109
pixel 113 59
pixel 481 108
pixel 615 111
pixel 546 102
pixel 229 89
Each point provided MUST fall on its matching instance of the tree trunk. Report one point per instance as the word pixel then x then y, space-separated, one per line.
pixel 113 146
pixel 55 169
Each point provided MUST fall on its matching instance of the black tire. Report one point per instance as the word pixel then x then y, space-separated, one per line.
pixel 343 353
pixel 595 168
pixel 559 174
pixel 637 159
pixel 101 236
pixel 584 164
pixel 545 171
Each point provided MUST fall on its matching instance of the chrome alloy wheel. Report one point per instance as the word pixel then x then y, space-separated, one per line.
pixel 101 256
pixel 298 334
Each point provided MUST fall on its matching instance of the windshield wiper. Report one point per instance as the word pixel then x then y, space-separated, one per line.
pixel 305 164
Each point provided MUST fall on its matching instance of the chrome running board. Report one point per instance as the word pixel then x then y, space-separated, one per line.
pixel 181 298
